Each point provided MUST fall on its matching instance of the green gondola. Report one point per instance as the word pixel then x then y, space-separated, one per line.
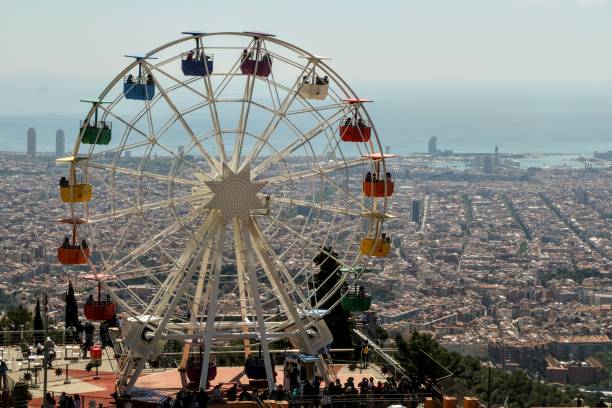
pixel 96 131
pixel 98 134
pixel 354 302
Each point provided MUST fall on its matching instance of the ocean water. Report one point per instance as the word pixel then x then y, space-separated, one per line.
pixel 523 118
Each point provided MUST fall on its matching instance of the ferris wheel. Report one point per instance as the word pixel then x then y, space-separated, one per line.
pixel 206 179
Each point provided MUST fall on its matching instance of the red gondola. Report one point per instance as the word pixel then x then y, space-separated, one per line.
pixel 99 310
pixel 353 128
pixel 256 60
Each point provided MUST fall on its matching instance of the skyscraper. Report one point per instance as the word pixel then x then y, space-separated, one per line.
pixel 60 143
pixel 432 147
pixel 415 211
pixel 31 142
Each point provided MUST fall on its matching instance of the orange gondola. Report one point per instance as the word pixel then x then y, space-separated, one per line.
pixel 71 252
pixel 378 183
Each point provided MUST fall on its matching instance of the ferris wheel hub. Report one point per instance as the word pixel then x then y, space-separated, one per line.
pixel 235 194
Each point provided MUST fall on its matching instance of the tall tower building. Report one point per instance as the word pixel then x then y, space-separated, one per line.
pixel 415 211
pixel 60 143
pixel 31 142
pixel 432 146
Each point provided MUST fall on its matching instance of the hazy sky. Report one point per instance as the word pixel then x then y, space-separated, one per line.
pixel 44 44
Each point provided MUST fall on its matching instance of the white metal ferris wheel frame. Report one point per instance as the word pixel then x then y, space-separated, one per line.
pixel 208 241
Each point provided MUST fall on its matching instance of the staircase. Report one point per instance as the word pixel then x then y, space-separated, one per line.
pixel 376 349
pixel 113 333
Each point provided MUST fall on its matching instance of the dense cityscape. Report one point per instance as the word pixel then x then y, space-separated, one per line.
pixel 496 261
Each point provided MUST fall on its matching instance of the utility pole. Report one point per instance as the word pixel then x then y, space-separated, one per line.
pixel 46 354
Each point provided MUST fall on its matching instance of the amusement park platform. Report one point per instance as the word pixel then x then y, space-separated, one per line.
pixel 154 385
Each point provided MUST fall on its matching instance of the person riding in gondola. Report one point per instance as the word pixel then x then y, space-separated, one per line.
pixel 90 299
pixel 66 243
pixel 368 177
pixel 130 79
pixel 361 292
pixel 305 79
pixel 64 182
pixel 389 178
pixel 149 79
pixel 347 121
pixel 190 56
pixel 84 244
pixel 326 80
pixel 360 122
pixel 244 56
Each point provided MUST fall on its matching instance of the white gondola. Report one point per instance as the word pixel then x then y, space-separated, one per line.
pixel 313 86
pixel 314 91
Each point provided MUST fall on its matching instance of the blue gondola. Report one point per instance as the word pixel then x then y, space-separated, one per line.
pixel 140 87
pixel 196 62
pixel 193 65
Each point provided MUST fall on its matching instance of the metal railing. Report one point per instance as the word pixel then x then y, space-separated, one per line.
pixel 358 400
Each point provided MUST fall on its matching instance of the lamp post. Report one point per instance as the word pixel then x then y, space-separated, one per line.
pixel 46 352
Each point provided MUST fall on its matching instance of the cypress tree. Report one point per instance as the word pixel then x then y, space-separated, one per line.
pixel 38 323
pixel 72 311
pixel 338 319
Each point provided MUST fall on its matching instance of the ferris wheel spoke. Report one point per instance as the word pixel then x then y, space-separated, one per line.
pixel 113 215
pixel 169 288
pixel 322 207
pixel 275 120
pixel 138 173
pixel 261 241
pixel 154 241
pixel 306 241
pixel 182 84
pixel 214 115
pixel 242 122
pixel 315 171
pixel 208 101
pixel 296 144
pixel 212 162
pixel 271 269
pixel 312 109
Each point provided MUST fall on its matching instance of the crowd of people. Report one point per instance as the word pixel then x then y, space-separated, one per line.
pixel 64 401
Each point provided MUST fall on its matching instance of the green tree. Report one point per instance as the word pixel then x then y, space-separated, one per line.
pixel 19 316
pixel 328 276
pixel 422 357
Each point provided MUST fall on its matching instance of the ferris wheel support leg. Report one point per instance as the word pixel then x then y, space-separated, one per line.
pixel 195 310
pixel 241 268
pixel 252 276
pixel 213 302
pixel 186 256
pixel 263 254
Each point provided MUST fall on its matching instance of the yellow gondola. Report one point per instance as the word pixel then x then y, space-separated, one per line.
pixel 78 193
pixel 376 247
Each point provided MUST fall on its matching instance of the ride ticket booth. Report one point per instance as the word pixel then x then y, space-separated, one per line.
pixel 299 369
